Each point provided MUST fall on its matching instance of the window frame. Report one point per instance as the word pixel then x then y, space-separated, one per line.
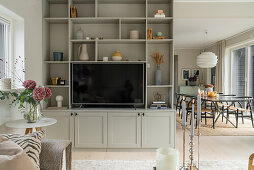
pixel 10 64
pixel 246 46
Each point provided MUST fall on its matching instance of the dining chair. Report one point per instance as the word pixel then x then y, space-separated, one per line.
pixel 243 110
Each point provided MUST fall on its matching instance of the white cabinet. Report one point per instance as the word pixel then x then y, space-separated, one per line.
pixel 158 129
pixel 124 130
pixel 114 129
pixel 91 129
pixel 63 129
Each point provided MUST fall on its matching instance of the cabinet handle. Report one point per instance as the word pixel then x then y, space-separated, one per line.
pixel 143 114
pixel 138 114
pixel 76 114
pixel 71 114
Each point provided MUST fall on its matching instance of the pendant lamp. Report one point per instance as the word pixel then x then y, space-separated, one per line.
pixel 206 59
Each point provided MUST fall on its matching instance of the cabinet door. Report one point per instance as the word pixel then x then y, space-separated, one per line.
pixel 64 127
pixel 91 130
pixel 158 129
pixel 124 130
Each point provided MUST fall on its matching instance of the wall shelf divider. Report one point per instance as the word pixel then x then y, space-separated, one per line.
pixel 112 19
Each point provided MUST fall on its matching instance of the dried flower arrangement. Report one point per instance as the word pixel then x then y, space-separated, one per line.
pixel 158 58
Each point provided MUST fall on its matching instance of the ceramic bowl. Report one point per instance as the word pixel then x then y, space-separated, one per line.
pixel 117 58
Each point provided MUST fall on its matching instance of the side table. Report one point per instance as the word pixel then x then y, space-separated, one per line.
pixel 21 123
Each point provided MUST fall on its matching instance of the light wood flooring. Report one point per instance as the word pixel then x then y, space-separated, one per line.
pixel 211 148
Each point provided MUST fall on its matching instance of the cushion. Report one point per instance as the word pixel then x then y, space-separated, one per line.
pixel 13 157
pixel 30 143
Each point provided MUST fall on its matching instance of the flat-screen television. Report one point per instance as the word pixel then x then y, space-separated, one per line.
pixel 107 84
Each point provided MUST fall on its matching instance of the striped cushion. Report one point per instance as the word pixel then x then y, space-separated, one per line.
pixel 30 143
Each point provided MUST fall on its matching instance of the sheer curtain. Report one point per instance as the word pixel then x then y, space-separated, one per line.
pixel 4 47
pixel 219 80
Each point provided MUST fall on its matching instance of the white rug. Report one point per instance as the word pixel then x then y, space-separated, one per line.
pixel 148 165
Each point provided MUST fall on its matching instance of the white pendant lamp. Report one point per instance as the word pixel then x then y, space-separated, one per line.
pixel 207 59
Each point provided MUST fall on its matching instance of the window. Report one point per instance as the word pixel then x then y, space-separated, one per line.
pixel 242 71
pixel 4 47
pixel 238 72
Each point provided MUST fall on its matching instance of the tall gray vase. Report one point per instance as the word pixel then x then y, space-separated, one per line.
pixel 158 75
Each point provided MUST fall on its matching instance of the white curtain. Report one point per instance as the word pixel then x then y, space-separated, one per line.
pixel 4 47
pixel 219 78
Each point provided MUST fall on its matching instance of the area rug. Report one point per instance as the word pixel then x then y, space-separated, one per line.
pixel 149 164
pixel 223 129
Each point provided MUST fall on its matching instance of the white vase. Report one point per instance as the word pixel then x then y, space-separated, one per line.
pixel 5 83
pixel 82 53
pixel 134 34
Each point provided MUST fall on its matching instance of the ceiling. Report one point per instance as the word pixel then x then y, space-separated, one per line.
pixel 189 33
pixel 221 19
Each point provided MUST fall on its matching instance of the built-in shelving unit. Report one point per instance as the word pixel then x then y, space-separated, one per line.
pixel 112 19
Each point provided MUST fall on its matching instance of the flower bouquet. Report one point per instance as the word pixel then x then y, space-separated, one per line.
pixel 29 99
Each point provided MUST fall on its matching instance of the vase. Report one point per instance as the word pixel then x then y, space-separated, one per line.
pixel 82 53
pixel 158 75
pixel 33 113
pixel 134 34
pixel 79 34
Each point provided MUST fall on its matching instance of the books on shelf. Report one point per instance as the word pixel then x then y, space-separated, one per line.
pixel 159 16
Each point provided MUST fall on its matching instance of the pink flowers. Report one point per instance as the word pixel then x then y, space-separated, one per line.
pixel 48 92
pixel 29 84
pixel 39 93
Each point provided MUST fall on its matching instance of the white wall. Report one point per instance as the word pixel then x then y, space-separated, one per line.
pixel 187 60
pixel 31 12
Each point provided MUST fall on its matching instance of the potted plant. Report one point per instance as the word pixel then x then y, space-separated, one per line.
pixel 28 99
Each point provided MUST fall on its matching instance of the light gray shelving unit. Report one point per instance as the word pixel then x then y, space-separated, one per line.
pixel 112 19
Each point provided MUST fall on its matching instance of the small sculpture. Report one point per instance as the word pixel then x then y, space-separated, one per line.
pixel 149 34
pixel 73 12
pixel 159 14
pixel 59 100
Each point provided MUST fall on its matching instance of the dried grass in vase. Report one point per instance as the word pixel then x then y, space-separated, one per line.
pixel 158 58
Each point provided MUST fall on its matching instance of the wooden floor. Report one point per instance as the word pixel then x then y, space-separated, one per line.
pixel 211 148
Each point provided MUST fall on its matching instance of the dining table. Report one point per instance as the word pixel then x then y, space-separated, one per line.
pixel 222 103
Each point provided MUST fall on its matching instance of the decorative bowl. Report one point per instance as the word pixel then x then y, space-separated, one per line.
pixel 117 58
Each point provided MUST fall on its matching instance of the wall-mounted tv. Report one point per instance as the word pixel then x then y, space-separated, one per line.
pixel 108 84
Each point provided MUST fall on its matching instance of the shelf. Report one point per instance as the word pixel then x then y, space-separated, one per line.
pixel 83 1
pixel 160 86
pixel 122 41
pixel 160 1
pixel 109 62
pixel 58 1
pixel 56 62
pixel 163 41
pixel 166 20
pixel 57 20
pixel 93 20
pixel 83 41
pixel 111 41
pixel 121 1
pixel 57 86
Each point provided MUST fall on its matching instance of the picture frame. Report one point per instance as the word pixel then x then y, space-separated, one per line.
pixel 185 74
pixel 194 72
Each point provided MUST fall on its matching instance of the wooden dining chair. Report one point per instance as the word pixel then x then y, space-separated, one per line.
pixel 251 166
pixel 242 112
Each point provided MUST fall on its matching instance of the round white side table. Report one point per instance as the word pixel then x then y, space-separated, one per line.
pixel 21 123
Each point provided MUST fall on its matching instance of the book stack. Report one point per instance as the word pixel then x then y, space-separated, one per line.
pixel 160 14
pixel 159 105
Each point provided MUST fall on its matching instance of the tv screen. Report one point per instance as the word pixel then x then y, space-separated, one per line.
pixel 108 84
